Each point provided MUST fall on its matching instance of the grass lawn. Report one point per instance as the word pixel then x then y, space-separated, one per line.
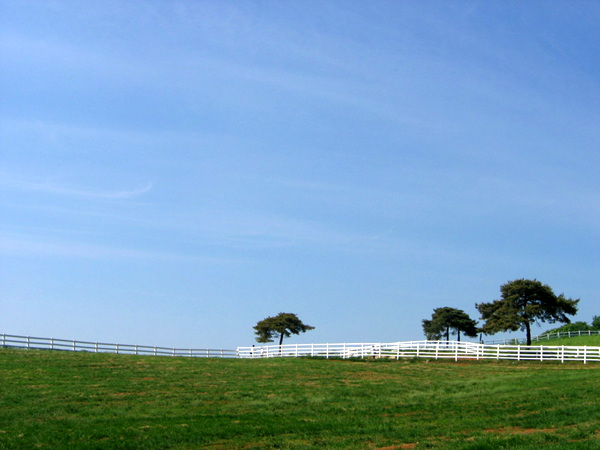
pixel 71 400
pixel 592 341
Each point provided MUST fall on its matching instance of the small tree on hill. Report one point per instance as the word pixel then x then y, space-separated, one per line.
pixel 446 320
pixel 283 324
pixel 525 302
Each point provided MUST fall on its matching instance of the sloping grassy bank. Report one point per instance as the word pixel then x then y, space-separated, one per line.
pixel 577 341
pixel 81 400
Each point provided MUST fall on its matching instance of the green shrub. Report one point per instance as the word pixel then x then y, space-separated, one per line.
pixel 575 326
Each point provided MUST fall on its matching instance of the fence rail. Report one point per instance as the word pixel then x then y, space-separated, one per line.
pixel 427 349
pixel 40 343
pixel 410 349
pixel 544 337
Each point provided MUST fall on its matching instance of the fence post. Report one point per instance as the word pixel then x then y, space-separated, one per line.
pixel 51 343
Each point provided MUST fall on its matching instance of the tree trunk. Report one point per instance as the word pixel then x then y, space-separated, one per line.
pixel 528 329
pixel 458 334
pixel 447 334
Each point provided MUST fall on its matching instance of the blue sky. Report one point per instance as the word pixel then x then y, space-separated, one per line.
pixel 172 172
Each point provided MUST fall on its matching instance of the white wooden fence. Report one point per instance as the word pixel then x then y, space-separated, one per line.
pixel 410 349
pixel 427 349
pixel 39 343
pixel 545 337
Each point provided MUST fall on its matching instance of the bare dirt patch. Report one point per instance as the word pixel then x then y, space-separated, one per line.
pixel 396 447
pixel 519 430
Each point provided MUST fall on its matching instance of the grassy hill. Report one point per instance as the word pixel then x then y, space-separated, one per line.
pixel 593 341
pixel 81 400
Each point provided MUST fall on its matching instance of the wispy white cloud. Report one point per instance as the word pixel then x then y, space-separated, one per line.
pixel 23 246
pixel 54 188
pixel 55 54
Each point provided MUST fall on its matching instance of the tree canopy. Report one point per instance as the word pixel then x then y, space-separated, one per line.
pixel 282 325
pixel 525 302
pixel 444 320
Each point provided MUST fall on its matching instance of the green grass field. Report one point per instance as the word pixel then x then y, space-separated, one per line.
pixel 593 341
pixel 52 399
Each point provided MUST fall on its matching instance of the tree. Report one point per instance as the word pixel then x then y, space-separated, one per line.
pixel 283 324
pixel 525 302
pixel 445 319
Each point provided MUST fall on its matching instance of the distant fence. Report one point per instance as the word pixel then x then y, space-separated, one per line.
pixel 410 349
pixel 545 337
pixel 427 349
pixel 39 343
